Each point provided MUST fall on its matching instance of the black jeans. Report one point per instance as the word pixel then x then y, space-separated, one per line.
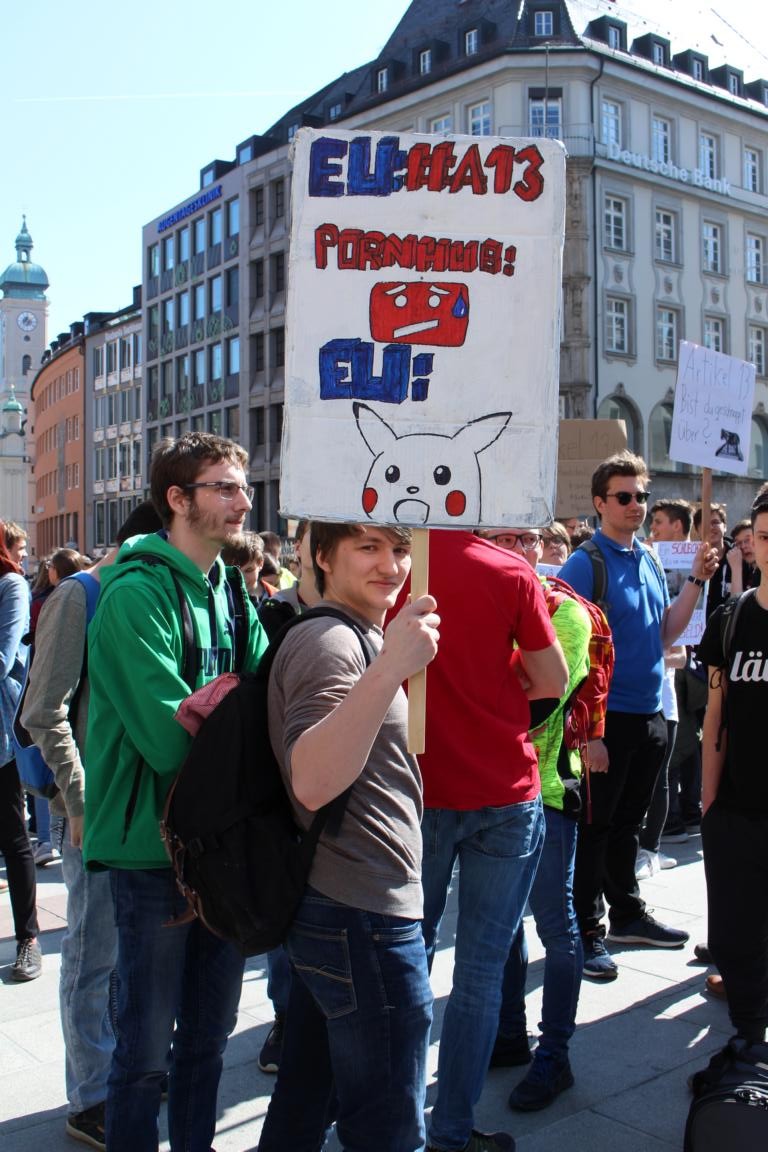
pixel 15 847
pixel 736 866
pixel 656 816
pixel 606 849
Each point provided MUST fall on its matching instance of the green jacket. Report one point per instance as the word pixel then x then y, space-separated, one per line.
pixel 135 657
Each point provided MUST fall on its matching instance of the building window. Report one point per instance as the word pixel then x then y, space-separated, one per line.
pixel 611 123
pixel 278 272
pixel 617 408
pixel 382 80
pixel 755 267
pixel 659 436
pixel 471 42
pixel 756 348
pixel 334 112
pixel 183 244
pixel 215 294
pixel 168 253
pixel 277 336
pixel 751 170
pixel 615 223
pixel 545 117
pixel 479 119
pixel 661 140
pixel 543 24
pixel 199 301
pixel 425 61
pixel 215 362
pixel 198 367
pixel 698 70
pixel 292 130
pixel 714 333
pixel 258 352
pixel 712 247
pixel 708 154
pixel 758 449
pixel 183 312
pixel 233 356
pixel 233 287
pixel 617 325
pixel 168 314
pixel 614 38
pixel 233 217
pixel 733 84
pixel 216 226
pixel 441 124
pixel 659 55
pixel 112 353
pixel 245 154
pixel 98 361
pixel 278 199
pixel 153 261
pixel 199 235
pixel 665 238
pixel 258 207
pixel 666 334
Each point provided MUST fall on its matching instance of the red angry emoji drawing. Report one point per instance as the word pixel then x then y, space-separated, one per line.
pixel 420 313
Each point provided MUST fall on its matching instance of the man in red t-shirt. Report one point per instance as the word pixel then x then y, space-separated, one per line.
pixel 498 652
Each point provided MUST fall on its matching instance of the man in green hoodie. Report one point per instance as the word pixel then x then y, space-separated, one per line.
pixel 179 985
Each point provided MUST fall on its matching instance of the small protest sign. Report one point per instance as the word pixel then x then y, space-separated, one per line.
pixel 423 329
pixel 583 445
pixel 712 416
pixel 676 555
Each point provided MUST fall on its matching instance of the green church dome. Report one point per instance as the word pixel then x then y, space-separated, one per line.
pixel 24 279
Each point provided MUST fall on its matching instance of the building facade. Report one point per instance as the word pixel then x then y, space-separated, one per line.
pixel 114 476
pixel 666 130
pixel 23 324
pixel 57 393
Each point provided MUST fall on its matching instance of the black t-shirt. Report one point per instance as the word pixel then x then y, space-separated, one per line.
pixel 744 783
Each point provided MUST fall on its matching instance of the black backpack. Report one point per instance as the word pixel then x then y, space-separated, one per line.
pixel 730 1109
pixel 241 860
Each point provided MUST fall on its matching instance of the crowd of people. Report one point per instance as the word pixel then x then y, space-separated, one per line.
pixel 505 802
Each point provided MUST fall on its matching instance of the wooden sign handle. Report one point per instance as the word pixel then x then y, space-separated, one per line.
pixel 706 503
pixel 417 685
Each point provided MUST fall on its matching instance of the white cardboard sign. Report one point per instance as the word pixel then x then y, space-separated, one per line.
pixel 676 555
pixel 423 329
pixel 712 417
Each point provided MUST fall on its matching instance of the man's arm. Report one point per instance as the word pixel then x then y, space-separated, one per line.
pixel 712 757
pixel 677 615
pixel 53 679
pixel 330 755
pixel 545 671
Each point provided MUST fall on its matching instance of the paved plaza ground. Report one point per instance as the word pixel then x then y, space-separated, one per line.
pixel 637 1041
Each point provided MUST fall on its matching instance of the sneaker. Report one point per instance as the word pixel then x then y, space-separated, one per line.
pixel 693 828
pixel 484 1142
pixel 676 835
pixel 702 953
pixel 644 868
pixel 87 1126
pixel 646 930
pixel 546 1079
pixel 29 961
pixel 598 962
pixel 511 1051
pixel 269 1057
pixel 44 854
pixel 664 862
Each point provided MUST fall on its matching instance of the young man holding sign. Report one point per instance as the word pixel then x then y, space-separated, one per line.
pixel 625 765
pixel 360 1005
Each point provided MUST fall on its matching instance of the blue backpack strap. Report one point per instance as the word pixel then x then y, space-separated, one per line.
pixel 91 587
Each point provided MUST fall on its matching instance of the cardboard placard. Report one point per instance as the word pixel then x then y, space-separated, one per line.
pixel 712 415
pixel 583 445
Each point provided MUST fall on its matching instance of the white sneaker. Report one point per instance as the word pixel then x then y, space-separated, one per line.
pixel 45 854
pixel 664 861
pixel 644 868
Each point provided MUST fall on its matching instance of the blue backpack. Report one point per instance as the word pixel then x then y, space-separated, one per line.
pixel 35 775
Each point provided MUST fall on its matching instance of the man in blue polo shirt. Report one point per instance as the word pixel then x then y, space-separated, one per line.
pixel 624 767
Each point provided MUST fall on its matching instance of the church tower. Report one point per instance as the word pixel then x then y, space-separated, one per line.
pixel 23 323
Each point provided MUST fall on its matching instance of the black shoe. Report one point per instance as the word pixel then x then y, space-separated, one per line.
pixel 546 1079
pixel 646 930
pixel 598 962
pixel 702 953
pixel 28 964
pixel 269 1057
pixel 88 1126
pixel 511 1051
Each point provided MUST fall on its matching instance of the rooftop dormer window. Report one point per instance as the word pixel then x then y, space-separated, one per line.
pixel 471 42
pixel 543 23
pixel 425 62
pixel 382 80
pixel 614 37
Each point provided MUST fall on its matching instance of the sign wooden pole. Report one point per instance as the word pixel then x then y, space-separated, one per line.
pixel 417 685
pixel 706 503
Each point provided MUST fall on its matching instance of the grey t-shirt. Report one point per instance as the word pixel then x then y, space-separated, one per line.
pixel 374 861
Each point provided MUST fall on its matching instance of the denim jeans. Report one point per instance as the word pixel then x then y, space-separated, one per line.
pixel 356 1035
pixel 497 850
pixel 551 902
pixel 88 958
pixel 279 979
pixel 180 973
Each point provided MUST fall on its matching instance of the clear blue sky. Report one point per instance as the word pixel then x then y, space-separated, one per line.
pixel 108 114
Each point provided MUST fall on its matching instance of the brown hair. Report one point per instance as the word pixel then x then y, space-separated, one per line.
pixel 6 563
pixel 326 538
pixel 13 533
pixel 624 463
pixel 66 562
pixel 243 549
pixel 178 463
pixel 759 504
pixel 679 510
pixel 714 510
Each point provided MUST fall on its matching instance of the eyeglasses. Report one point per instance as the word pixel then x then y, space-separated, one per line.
pixel 227 489
pixel 528 540
pixel 554 540
pixel 625 498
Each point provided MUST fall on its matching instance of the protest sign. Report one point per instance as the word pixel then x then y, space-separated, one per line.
pixel 583 445
pixel 423 329
pixel 676 555
pixel 712 416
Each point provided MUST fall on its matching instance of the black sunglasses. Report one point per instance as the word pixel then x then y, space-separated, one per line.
pixel 625 498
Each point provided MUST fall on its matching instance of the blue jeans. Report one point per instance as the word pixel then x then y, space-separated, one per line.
pixel 356 1035
pixel 498 850
pixel 180 973
pixel 279 979
pixel 88 958
pixel 551 902
pixel 42 820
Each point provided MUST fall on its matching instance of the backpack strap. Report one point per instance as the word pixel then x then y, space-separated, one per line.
pixel 730 615
pixel 599 572
pixel 238 610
